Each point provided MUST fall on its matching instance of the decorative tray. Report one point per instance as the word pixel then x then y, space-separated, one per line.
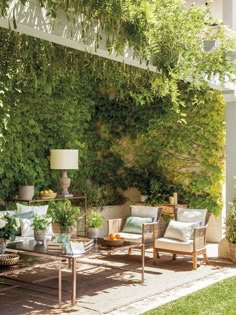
pixel 9 259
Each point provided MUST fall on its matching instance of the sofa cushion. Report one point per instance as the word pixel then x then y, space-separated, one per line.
pixel 129 237
pixel 134 224
pixel 24 215
pixel 171 244
pixel 26 227
pixel 181 231
pixel 36 209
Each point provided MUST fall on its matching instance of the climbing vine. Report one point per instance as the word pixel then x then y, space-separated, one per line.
pixel 158 131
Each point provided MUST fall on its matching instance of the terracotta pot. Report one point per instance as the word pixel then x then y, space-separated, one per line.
pixel 232 252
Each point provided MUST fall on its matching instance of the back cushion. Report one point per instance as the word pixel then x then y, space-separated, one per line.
pixel 36 209
pixel 192 215
pixel 134 224
pixel 144 212
pixel 181 231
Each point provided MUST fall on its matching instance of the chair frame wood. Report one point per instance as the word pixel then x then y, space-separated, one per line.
pixel 199 243
pixel 149 230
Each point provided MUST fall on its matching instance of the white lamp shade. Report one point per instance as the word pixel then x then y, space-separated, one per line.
pixel 63 159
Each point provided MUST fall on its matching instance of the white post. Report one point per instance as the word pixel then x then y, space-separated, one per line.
pixel 230 150
pixel 229 14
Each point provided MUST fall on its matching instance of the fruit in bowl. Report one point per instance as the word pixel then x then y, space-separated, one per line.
pixel 114 239
pixel 47 194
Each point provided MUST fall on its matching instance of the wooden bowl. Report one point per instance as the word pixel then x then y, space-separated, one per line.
pixel 48 196
pixel 113 243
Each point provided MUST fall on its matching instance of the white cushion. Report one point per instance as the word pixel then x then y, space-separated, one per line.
pixel 36 209
pixel 181 231
pixel 129 237
pixel 171 244
pixel 191 215
pixel 144 211
pixel 26 228
pixel 10 212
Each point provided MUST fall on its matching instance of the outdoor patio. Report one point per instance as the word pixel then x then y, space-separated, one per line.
pixel 111 288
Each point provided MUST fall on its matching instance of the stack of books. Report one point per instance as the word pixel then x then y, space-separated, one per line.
pixel 55 247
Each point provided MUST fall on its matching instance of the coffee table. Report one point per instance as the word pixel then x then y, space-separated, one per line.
pixel 32 248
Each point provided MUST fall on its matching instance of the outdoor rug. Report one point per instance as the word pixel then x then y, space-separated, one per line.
pixel 104 284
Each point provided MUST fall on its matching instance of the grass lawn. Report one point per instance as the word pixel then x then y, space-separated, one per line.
pixel 217 299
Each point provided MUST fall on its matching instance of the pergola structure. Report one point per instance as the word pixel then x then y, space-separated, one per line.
pixel 32 20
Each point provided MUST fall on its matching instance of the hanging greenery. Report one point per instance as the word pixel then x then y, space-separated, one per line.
pixel 132 127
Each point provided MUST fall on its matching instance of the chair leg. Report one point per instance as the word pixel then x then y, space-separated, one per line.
pixel 174 257
pixel 129 251
pixel 194 261
pixel 155 255
pixel 205 258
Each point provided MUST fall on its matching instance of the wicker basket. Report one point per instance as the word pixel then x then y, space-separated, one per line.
pixel 9 259
pixel 48 196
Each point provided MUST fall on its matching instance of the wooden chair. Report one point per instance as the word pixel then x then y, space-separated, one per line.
pixel 171 241
pixel 148 230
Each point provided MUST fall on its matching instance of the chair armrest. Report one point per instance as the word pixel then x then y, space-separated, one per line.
pixel 199 237
pixel 160 228
pixel 115 225
pixel 148 231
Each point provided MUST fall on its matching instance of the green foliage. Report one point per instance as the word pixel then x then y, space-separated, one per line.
pixel 41 222
pixel 151 130
pixel 94 219
pixel 230 233
pixel 8 226
pixel 63 213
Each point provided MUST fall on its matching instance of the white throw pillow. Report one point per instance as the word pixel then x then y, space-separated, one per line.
pixel 181 231
pixel 36 209
pixel 26 227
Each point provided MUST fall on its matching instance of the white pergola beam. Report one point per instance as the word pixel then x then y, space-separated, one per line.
pixel 32 20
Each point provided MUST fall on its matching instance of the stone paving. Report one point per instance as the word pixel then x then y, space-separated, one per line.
pixel 112 288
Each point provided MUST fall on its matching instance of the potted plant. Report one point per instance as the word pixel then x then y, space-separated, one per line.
pixel 64 214
pixel 8 228
pixel 230 233
pixel 40 226
pixel 94 220
pixel 26 178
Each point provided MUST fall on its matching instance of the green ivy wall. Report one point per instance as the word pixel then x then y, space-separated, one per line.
pixel 124 121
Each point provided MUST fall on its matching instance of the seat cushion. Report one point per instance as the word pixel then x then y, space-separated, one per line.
pixel 134 224
pixel 129 237
pixel 181 231
pixel 171 244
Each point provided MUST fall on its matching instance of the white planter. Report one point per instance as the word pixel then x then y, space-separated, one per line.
pixel 40 236
pixel 92 232
pixel 26 192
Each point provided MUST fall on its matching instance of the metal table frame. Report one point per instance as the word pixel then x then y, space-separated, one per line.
pixel 23 247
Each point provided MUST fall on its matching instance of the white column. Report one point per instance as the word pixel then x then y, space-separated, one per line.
pixel 229 14
pixel 230 150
